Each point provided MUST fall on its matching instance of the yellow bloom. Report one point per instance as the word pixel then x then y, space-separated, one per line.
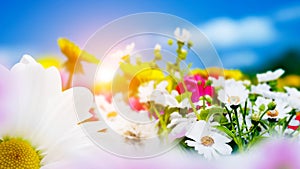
pixel 289 80
pixel 74 54
pixel 213 71
pixel 74 57
pixel 233 74
pixel 49 61
pixel 136 75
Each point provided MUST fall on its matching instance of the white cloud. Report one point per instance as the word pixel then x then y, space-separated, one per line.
pixel 239 59
pixel 288 14
pixel 226 32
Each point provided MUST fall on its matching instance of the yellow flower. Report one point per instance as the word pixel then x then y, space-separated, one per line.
pixel 289 80
pixel 136 75
pixel 48 61
pixel 213 71
pixel 75 54
pixel 233 74
pixel 74 57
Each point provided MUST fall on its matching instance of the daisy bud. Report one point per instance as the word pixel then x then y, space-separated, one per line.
pixel 272 105
pixel 208 98
pixel 252 97
pixel 189 44
pixel 255 117
pixel 262 107
pixel 182 55
pixel 170 42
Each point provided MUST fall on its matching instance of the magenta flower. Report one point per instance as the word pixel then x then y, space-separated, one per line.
pixel 196 85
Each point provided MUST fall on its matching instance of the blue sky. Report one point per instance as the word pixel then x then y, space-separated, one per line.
pixel 245 33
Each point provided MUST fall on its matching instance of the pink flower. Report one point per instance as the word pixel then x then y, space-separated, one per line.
pixel 196 85
pixel 135 104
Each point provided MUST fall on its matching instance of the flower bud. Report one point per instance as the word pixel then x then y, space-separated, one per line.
pixel 262 107
pixel 255 117
pixel 272 105
pixel 182 55
pixel 189 44
pixel 170 42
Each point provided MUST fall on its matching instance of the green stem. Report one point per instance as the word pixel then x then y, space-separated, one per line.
pixel 238 122
pixel 287 123
pixel 189 98
pixel 162 122
pixel 230 118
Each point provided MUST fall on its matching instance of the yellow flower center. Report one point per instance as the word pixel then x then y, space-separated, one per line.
pixel 273 113
pixel 234 100
pixel 207 141
pixel 17 153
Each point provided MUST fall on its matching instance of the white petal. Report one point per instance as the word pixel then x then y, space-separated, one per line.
pixel 195 132
pixel 222 148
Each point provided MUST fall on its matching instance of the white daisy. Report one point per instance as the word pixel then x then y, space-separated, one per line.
pixel 161 96
pixel 260 88
pixel 132 125
pixel 281 110
pixel 148 91
pixel 293 97
pixel 40 127
pixel 261 104
pixel 207 141
pixel 217 83
pixel 269 75
pixel 233 93
pixel 265 91
pixel 221 81
pixel 182 35
pixel 180 125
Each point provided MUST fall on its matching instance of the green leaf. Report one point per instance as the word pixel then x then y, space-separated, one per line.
pixel 227 131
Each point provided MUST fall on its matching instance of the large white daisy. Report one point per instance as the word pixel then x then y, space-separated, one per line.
pixel 39 126
pixel 207 141
pixel 233 93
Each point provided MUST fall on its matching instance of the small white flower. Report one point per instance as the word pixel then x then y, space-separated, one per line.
pixel 269 75
pixel 121 53
pixel 260 88
pixel 261 104
pixel 221 82
pixel 147 92
pixel 180 125
pixel 207 141
pixel 161 96
pixel 182 36
pixel 281 110
pixel 157 47
pixel 233 93
pixel 275 95
pixel 217 83
pixel 293 97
